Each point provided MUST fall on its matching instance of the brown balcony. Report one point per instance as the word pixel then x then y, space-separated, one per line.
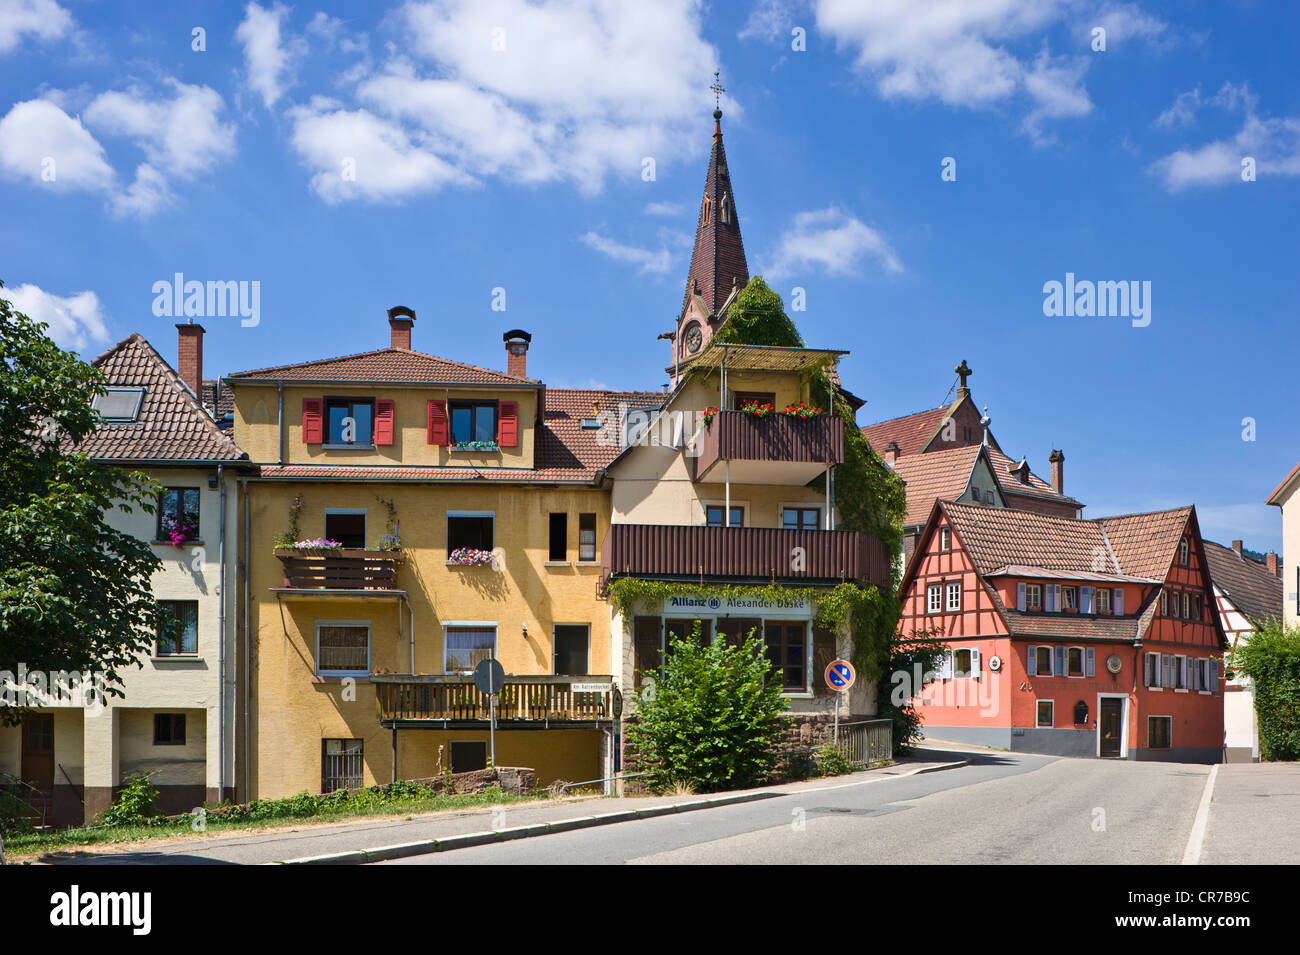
pixel 339 569
pixel 526 702
pixel 743 554
pixel 776 449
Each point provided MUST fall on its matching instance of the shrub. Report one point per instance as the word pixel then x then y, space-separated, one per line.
pixel 1271 658
pixel 832 761
pixel 136 804
pixel 713 719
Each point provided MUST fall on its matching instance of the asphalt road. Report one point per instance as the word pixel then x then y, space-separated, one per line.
pixel 1003 808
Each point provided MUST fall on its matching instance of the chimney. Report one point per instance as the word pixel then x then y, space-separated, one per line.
pixel 189 356
pixel 400 321
pixel 892 451
pixel 1236 546
pixel 517 341
pixel 1057 459
pixel 1270 561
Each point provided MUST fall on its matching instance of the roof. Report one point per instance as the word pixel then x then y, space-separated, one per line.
pixel 1146 544
pixel 909 432
pixel 171 426
pixel 219 401
pixel 718 259
pixel 1251 588
pixel 1003 467
pixel 1024 570
pixel 1276 497
pixel 384 364
pixel 764 357
pixel 939 475
pixel 994 537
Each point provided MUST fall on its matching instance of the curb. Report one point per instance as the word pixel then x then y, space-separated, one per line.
pixel 427 846
pixel 940 766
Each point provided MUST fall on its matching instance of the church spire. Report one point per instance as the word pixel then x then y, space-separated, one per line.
pixel 718 261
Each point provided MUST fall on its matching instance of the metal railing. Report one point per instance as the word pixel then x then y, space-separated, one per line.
pixel 27 796
pixel 867 742
pixel 530 699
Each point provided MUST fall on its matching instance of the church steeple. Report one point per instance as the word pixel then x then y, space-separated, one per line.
pixel 718 261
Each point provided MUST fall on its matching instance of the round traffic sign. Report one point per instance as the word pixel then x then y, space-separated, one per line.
pixel 489 676
pixel 840 675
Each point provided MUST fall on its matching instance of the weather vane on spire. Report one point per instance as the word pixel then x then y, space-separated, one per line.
pixel 717 91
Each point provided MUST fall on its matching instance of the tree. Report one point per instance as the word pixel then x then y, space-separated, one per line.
pixel 75 593
pixel 1271 658
pixel 714 717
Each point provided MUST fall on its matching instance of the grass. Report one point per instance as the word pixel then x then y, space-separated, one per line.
pixel 294 812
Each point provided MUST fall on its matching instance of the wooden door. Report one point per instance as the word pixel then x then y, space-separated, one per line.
pixel 1110 726
pixel 38 751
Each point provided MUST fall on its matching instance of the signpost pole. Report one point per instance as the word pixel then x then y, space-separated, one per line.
pixel 836 732
pixel 492 725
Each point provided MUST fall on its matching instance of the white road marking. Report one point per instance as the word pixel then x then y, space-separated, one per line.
pixel 1192 854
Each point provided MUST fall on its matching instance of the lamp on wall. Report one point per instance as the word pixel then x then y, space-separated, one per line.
pixel 524 625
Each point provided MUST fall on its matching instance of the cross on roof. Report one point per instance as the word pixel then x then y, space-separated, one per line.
pixel 717 91
pixel 963 372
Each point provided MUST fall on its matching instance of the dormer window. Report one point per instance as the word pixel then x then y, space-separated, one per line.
pixel 349 421
pixel 473 422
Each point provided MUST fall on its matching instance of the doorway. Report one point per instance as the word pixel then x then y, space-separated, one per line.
pixel 38 751
pixel 1110 727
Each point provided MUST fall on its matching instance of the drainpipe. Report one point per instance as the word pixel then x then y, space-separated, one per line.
pixel 279 426
pixel 828 497
pixel 221 641
pixel 410 633
pixel 248 782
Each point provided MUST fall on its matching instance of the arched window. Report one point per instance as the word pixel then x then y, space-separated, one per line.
pixel 705 214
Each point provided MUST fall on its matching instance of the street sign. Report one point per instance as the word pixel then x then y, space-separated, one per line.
pixel 840 675
pixel 489 677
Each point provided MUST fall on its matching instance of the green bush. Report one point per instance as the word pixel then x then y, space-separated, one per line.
pixel 832 761
pixel 1271 658
pixel 714 719
pixel 136 804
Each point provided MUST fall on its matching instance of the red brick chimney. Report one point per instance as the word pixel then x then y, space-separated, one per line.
pixel 189 356
pixel 400 321
pixel 1057 459
pixel 892 451
pixel 1236 546
pixel 517 341
pixel 1270 561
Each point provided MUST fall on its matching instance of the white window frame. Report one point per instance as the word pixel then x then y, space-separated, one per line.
pixel 949 590
pixel 1102 595
pixel 493 625
pixel 945 539
pixel 1158 663
pixel 1069 589
pixel 1184 553
pixel 934 598
pixel 1164 601
pixel 1051 659
pixel 1181 672
pixel 1029 590
pixel 329 674
pixel 1187 605
pixel 1038 720
pixel 1083 663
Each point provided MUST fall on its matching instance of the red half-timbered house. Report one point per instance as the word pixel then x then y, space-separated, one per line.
pixel 1070 637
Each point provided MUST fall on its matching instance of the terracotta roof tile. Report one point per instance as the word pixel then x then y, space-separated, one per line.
pixel 386 364
pixel 909 431
pixel 171 425
pixel 1146 544
pixel 1251 588
pixel 995 537
pixel 937 476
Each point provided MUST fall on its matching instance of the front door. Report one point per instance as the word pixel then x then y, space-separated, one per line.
pixel 1110 726
pixel 38 751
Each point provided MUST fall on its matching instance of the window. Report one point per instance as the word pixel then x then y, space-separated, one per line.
pixel 1042 661
pixel 587 537
pixel 169 729
pixel 1033 596
pixel 473 422
pixel 801 518
pixel 119 404
pixel 559 549
pixel 1045 708
pixel 178 514
pixel 571 643
pixel 1187 606
pixel 713 515
pixel 468 646
pixel 468 755
pixel 1151 670
pixel 1074 661
pixel 179 634
pixel 1201 675
pixel 1184 551
pixel 966 663
pixel 742 398
pixel 934 598
pixel 1159 730
pixel 1103 600
pixel 349 421
pixel 1070 599
pixel 343 648
pixel 347 527
pixel 787 652
pixel 1180 672
pixel 953 601
pixel 1164 603
pixel 945 538
pixel 685 630
pixel 1198 608
pixel 469 530
pixel 342 764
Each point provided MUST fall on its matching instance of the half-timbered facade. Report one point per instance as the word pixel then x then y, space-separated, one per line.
pixel 1073 637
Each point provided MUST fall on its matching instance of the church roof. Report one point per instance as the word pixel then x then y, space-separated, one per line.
pixel 718 260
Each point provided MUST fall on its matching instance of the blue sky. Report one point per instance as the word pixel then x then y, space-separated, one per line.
pixel 502 144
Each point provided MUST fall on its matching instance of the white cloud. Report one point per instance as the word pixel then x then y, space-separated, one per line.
pixel 38 141
pixel 1273 142
pixel 559 90
pixel 772 19
pixel 182 136
pixel 41 19
pixel 1126 21
pixel 269 57
pixel 75 321
pixel 832 240
pixel 1182 112
pixel 663 209
pixel 1056 87
pixel 645 260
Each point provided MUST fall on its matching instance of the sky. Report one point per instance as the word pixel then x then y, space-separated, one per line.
pixel 916 174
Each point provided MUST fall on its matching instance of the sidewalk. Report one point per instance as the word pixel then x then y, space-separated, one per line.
pixel 1254 815
pixel 307 841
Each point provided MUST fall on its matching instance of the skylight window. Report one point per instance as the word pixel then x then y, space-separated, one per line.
pixel 119 404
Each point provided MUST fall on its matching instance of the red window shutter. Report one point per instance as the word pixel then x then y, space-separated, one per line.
pixel 508 424
pixel 312 420
pixel 437 421
pixel 383 421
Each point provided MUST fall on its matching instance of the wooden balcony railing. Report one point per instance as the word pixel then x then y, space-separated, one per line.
pixel 775 439
pixel 744 554
pixel 525 700
pixel 340 569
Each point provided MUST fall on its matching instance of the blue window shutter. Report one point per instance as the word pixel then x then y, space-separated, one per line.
pixel 1020 595
pixel 1214 675
pixel 1058 665
pixel 1085 599
pixel 1117 602
pixel 1091 666
pixel 1032 661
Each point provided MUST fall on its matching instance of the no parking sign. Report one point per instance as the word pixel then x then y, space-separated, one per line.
pixel 840 675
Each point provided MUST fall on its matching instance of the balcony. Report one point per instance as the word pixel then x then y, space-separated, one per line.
pixel 776 449
pixel 452 701
pixel 339 570
pixel 743 555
